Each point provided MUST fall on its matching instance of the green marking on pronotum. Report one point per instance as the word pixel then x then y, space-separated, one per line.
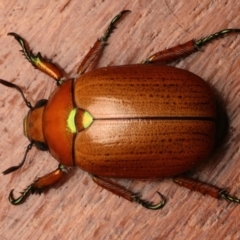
pixel 71 121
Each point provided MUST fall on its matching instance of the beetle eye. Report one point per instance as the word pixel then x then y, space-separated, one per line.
pixel 41 103
pixel 41 146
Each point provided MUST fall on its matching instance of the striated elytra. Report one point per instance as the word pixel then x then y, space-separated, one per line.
pixel 143 121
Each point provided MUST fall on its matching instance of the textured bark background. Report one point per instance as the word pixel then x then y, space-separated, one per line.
pixel 77 208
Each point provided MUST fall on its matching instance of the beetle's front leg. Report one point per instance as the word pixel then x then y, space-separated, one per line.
pixel 125 193
pixel 42 64
pixel 94 52
pixel 39 185
pixel 183 50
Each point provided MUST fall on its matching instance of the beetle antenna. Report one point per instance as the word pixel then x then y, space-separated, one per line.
pixel 14 168
pixel 11 85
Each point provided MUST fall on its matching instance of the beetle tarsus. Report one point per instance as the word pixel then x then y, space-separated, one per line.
pixel 203 41
pixel 23 196
pixel 25 50
pixel 112 26
pixel 150 205
pixel 23 44
pixel 228 197
pixel 31 189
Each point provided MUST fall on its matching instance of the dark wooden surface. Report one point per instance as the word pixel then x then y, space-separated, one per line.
pixel 78 209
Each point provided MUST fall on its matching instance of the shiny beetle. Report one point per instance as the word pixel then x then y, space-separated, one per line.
pixel 141 121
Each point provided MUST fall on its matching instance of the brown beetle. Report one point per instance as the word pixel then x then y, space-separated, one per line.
pixel 135 121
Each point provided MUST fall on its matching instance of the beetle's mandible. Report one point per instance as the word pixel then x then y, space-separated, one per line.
pixel 143 121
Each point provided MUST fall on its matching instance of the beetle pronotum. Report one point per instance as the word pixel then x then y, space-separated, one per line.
pixel 134 121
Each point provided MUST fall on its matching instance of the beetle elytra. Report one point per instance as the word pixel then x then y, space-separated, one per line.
pixel 143 121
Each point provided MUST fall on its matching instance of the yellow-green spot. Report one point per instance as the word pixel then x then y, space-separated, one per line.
pixel 87 119
pixel 71 121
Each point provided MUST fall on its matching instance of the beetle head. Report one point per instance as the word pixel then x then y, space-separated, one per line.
pixel 32 125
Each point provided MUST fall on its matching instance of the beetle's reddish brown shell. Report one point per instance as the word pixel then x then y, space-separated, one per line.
pixel 149 121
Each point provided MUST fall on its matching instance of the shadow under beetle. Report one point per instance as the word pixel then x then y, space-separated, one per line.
pixel 141 121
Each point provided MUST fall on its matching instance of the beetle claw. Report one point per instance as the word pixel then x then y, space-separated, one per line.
pixel 150 205
pixel 23 196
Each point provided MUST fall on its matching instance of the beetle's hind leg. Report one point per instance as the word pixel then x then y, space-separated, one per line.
pixel 127 194
pixel 95 52
pixel 38 62
pixel 39 185
pixel 204 188
pixel 184 50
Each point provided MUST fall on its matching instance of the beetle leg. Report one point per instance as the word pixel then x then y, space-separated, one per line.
pixel 183 50
pixel 39 185
pixel 95 52
pixel 125 193
pixel 42 64
pixel 204 188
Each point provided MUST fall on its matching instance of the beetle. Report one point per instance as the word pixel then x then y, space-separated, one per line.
pixel 143 121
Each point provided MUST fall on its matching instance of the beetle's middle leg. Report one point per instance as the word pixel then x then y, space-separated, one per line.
pixel 95 52
pixel 127 194
pixel 38 62
pixel 183 50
